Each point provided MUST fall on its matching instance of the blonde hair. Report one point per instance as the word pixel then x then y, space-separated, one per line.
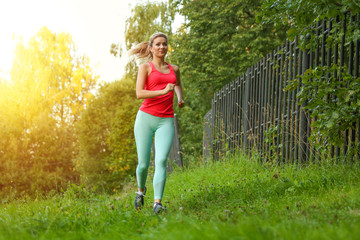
pixel 142 49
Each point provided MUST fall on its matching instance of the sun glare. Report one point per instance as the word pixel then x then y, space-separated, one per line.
pixel 22 18
pixel 94 25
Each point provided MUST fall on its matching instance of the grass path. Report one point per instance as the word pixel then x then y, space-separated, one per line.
pixel 236 199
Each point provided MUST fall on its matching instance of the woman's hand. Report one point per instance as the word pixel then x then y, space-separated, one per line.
pixel 170 87
pixel 181 103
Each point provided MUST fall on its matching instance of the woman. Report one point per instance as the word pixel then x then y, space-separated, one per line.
pixel 156 82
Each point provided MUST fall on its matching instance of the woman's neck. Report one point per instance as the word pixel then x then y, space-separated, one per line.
pixel 158 61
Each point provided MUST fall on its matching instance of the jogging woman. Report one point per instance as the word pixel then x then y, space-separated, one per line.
pixel 156 82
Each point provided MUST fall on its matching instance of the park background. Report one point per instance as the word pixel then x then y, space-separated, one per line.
pixel 66 130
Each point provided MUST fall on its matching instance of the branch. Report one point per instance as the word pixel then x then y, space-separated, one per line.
pixel 248 13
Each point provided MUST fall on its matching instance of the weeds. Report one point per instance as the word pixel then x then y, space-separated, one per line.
pixel 239 198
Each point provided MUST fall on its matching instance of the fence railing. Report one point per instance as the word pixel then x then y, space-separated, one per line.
pixel 254 112
pixel 175 154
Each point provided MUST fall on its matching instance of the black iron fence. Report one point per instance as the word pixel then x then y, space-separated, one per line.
pixel 175 155
pixel 254 112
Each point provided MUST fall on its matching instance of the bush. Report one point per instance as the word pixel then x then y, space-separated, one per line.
pixel 107 145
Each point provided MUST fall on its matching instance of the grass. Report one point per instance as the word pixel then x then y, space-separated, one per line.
pixel 235 199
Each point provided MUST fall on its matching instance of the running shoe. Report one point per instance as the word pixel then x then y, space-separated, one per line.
pixel 158 208
pixel 139 199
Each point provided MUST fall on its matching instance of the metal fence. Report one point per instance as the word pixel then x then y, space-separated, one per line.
pixel 175 155
pixel 253 112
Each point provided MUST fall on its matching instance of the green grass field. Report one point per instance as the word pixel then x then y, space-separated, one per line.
pixel 236 199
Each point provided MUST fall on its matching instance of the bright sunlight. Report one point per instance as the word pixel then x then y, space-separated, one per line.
pixel 94 26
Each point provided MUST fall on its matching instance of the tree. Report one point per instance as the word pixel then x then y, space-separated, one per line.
pixel 108 151
pixel 218 42
pixel 328 92
pixel 49 66
pixel 298 15
pixel 49 87
pixel 146 19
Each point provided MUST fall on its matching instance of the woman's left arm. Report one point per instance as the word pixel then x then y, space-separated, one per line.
pixel 178 87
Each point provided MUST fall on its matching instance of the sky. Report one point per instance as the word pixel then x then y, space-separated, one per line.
pixel 93 24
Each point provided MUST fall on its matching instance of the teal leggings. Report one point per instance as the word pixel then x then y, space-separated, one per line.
pixel 145 127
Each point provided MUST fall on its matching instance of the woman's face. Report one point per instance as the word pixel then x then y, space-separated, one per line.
pixel 159 47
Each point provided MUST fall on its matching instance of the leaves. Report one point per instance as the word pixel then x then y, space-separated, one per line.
pixel 146 19
pixel 218 42
pixel 332 102
pixel 49 87
pixel 108 152
pixel 299 15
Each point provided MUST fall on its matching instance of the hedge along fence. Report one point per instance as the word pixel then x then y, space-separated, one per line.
pixel 256 112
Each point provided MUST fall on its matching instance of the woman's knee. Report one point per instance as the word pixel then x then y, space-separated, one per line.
pixel 142 167
pixel 161 162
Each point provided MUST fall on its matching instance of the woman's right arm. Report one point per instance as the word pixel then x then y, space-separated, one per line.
pixel 141 93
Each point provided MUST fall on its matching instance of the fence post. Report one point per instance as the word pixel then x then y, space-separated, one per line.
pixel 250 106
pixel 175 155
pixel 304 118
pixel 356 71
pixel 246 109
pixel 207 135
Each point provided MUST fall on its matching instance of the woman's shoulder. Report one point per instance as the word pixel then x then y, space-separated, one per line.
pixel 175 67
pixel 145 67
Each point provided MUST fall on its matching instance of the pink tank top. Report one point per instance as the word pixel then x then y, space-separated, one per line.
pixel 161 106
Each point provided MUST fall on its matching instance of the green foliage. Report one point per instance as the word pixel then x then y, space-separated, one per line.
pixel 219 41
pixel 208 52
pixel 36 159
pixel 146 19
pixel 334 103
pixel 107 144
pixel 329 93
pixel 50 84
pixel 270 135
pixel 299 15
pixel 237 198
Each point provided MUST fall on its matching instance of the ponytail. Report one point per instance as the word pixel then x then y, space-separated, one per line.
pixel 142 50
